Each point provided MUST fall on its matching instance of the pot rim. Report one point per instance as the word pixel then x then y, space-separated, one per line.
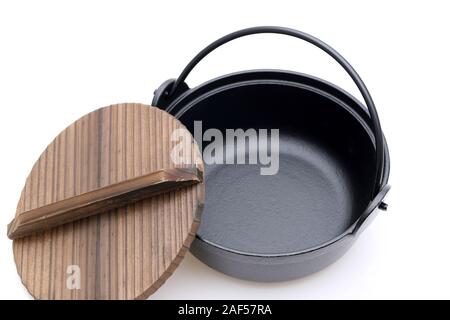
pixel 328 90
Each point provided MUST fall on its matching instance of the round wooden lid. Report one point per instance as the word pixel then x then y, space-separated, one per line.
pixel 124 253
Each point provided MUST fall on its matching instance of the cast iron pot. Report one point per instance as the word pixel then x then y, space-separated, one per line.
pixel 333 166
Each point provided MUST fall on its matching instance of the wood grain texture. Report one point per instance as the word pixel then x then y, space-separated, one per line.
pixel 126 253
pixel 105 198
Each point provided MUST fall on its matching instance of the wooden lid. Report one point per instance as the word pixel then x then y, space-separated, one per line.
pixel 126 252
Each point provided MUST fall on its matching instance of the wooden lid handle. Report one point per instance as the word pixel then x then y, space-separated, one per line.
pixel 102 199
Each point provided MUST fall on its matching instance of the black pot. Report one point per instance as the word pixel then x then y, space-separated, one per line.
pixel 333 167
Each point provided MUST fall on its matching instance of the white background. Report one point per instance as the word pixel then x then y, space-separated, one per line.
pixel 60 60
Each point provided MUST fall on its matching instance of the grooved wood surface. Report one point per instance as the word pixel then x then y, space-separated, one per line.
pixel 126 253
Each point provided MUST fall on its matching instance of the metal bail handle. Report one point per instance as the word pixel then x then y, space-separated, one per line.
pixel 376 126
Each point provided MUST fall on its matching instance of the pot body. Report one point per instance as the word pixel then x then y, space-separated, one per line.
pixel 269 268
pixel 292 263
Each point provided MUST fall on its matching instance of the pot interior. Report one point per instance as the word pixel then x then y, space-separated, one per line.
pixel 325 173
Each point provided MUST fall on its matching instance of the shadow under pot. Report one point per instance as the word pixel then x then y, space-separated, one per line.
pixel 320 173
